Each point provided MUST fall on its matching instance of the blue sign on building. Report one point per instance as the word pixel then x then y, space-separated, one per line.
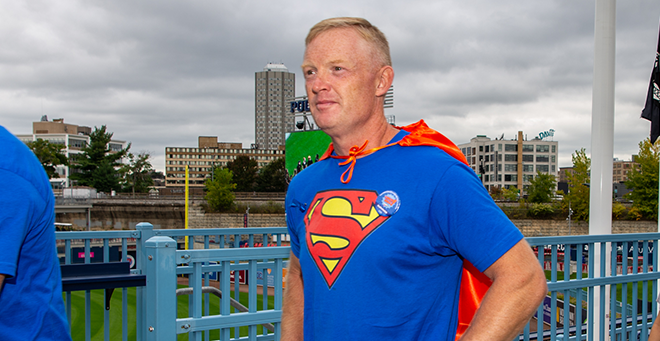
pixel 300 106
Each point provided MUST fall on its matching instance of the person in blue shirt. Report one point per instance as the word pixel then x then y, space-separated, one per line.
pixel 31 304
pixel 382 225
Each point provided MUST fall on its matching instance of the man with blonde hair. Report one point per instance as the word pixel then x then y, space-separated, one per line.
pixel 379 241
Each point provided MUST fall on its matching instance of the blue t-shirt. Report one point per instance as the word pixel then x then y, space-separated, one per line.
pixel 381 256
pixel 31 305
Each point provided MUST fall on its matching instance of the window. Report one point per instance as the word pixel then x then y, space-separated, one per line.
pixel 528 148
pixel 528 158
pixel 542 168
pixel 528 168
pixel 552 158
pixel 553 148
pixel 510 147
pixel 510 177
pixel 510 168
pixel 115 147
pixel 481 148
pixel 542 158
pixel 510 157
pixel 542 148
pixel 528 177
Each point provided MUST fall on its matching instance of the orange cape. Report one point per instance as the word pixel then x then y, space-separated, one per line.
pixel 474 283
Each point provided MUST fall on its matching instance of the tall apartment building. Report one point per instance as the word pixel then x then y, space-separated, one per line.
pixel 510 163
pixel 272 88
pixel 72 136
pixel 209 152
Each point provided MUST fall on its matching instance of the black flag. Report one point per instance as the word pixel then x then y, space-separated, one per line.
pixel 651 110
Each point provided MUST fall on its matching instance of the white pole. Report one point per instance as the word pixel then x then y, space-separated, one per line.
pixel 602 149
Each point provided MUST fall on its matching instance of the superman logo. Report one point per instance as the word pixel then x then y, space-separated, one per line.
pixel 337 222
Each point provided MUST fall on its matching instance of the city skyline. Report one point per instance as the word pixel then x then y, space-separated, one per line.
pixel 163 74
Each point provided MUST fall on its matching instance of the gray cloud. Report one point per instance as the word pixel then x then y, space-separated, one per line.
pixel 161 74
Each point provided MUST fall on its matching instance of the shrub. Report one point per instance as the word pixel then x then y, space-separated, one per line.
pixel 635 214
pixel 618 211
pixel 540 210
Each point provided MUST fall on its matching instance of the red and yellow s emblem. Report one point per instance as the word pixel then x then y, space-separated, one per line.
pixel 337 222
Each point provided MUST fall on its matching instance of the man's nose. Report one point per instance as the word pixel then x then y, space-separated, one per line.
pixel 319 82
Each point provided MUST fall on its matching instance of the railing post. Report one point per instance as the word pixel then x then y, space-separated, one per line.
pixel 161 289
pixel 146 231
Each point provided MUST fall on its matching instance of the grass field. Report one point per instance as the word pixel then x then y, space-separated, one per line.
pixel 619 288
pixel 98 307
pixel 303 144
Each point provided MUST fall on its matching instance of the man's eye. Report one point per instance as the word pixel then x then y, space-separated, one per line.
pixel 338 68
pixel 310 72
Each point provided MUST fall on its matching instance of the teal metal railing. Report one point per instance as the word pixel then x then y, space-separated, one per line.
pixel 107 246
pixel 627 266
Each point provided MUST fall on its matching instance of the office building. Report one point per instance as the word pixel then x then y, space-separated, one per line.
pixel 511 163
pixel 273 87
pixel 621 168
pixel 209 153
pixel 71 136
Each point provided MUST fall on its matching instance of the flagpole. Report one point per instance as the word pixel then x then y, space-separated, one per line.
pixel 651 112
pixel 186 208
pixel 602 150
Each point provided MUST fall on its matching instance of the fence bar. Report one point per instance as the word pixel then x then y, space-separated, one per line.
pixel 161 289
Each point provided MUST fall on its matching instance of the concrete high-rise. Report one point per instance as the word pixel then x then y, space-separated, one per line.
pixel 272 87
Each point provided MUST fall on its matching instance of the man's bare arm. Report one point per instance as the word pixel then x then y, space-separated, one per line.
pixel 519 286
pixel 655 331
pixel 2 280
pixel 294 303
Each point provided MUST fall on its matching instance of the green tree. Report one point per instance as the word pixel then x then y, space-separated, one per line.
pixel 244 171
pixel 219 189
pixel 578 188
pixel 273 177
pixel 136 174
pixel 496 193
pixel 97 166
pixel 541 188
pixel 644 180
pixel 510 194
pixel 50 155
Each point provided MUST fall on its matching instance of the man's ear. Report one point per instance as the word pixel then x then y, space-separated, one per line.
pixel 385 79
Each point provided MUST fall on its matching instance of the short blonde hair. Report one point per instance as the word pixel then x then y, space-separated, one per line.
pixel 369 32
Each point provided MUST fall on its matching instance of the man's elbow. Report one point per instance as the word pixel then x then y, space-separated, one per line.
pixel 537 287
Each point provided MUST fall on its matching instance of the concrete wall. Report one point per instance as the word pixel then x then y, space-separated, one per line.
pixel 164 214
pixel 539 228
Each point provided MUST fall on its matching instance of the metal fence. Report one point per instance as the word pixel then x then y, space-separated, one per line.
pixel 582 272
pixel 235 250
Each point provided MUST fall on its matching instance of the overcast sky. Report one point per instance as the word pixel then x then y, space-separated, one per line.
pixel 161 73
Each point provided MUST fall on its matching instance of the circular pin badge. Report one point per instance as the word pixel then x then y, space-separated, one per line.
pixel 387 203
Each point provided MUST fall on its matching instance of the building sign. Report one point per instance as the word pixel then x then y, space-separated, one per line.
pixel 545 134
pixel 300 106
